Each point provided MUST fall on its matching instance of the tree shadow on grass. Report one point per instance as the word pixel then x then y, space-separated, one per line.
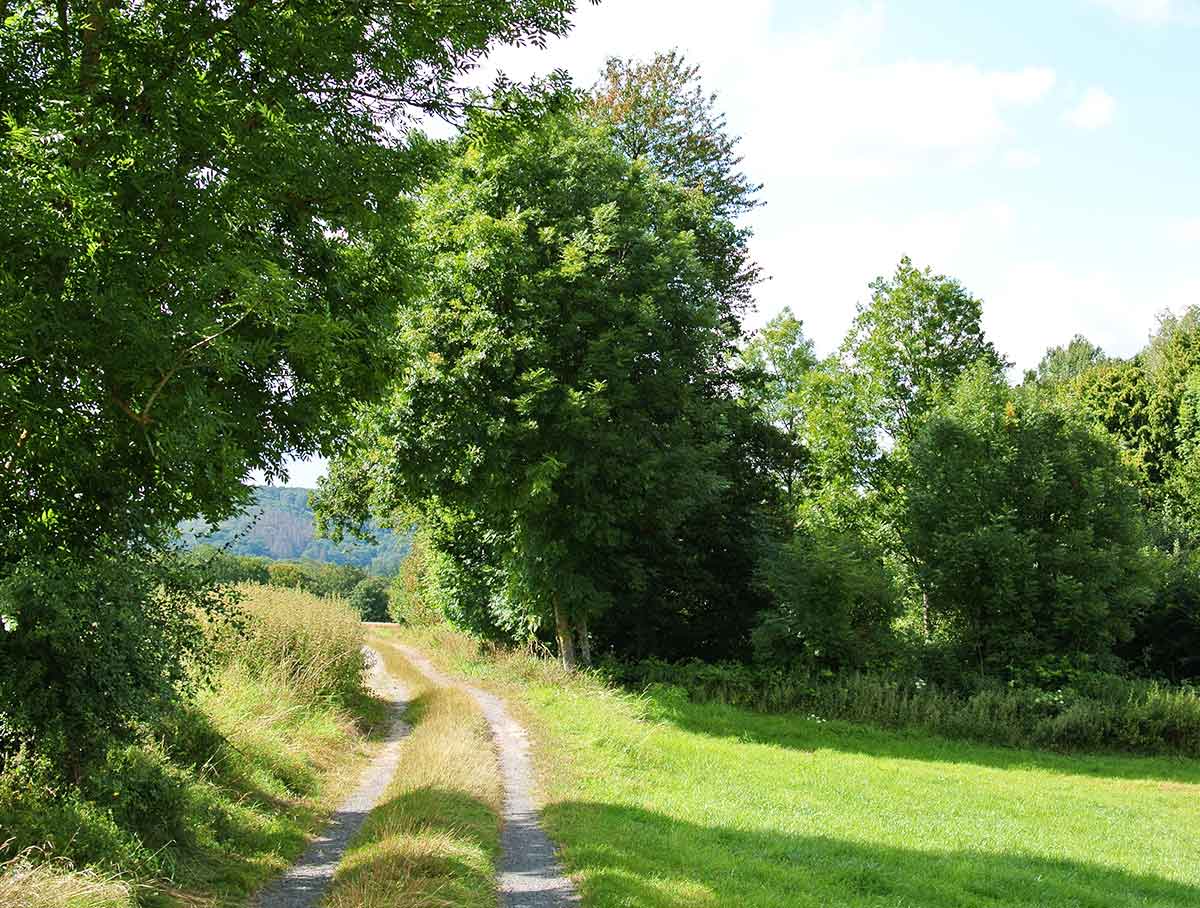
pixel 633 857
pixel 797 732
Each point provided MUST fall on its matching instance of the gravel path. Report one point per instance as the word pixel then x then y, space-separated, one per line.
pixel 530 875
pixel 306 882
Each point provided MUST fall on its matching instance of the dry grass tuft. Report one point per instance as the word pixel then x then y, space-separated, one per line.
pixel 28 883
pixel 433 841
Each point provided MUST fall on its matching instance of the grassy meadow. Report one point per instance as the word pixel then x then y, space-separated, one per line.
pixel 659 802
pixel 207 809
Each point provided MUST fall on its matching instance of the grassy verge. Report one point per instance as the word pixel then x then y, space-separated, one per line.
pixel 661 802
pixel 210 806
pixel 434 839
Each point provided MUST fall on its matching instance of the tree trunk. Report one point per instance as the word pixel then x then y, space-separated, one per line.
pixel 926 623
pixel 566 643
pixel 585 645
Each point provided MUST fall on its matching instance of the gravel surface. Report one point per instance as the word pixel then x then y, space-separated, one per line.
pixel 306 882
pixel 530 874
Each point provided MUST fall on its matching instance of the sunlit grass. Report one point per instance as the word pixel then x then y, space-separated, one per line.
pixel 240 778
pixel 667 803
pixel 28 882
pixel 433 841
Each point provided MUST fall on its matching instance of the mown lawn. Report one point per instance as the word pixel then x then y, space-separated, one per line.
pixel 662 803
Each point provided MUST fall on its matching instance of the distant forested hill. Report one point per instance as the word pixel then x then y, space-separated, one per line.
pixel 280 526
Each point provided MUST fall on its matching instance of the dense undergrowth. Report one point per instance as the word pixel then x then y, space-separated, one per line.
pixel 218 797
pixel 1086 712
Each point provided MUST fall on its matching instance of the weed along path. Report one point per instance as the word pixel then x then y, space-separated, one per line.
pixel 306 882
pixel 530 875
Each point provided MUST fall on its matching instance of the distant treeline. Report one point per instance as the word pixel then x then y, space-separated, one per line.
pixel 366 593
pixel 279 526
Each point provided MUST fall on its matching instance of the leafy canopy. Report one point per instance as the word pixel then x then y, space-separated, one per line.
pixel 566 390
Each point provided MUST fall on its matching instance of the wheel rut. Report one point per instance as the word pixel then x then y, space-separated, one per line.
pixel 530 874
pixel 305 883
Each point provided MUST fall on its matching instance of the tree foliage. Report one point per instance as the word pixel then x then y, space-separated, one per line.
pixel 1026 528
pixel 566 388
pixel 205 210
pixel 912 341
pixel 660 112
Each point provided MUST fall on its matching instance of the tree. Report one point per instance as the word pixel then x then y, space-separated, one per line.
pixel 205 215
pixel 779 359
pixel 835 602
pixel 370 599
pixel 1025 527
pixel 566 384
pixel 1061 364
pixel 918 334
pixel 660 112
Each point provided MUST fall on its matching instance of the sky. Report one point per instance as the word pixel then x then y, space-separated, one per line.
pixel 1045 154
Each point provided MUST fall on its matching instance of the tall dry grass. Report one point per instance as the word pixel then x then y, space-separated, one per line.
pixel 311 645
pixel 29 881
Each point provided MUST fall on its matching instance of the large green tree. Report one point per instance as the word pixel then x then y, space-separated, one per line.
pixel 566 386
pixel 204 208
pixel 1025 526
pixel 917 335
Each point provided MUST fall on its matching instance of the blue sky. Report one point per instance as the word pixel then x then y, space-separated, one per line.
pixel 1047 154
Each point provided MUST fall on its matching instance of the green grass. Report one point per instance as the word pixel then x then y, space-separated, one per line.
pixel 433 840
pixel 209 807
pixel 667 803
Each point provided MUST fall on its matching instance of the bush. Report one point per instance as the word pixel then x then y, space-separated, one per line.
pixel 222 567
pixel 413 600
pixel 835 603
pixel 1095 711
pixel 1166 640
pixel 93 647
pixel 315 577
pixel 370 599
pixel 174 796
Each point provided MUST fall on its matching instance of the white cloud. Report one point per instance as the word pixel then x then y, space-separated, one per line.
pixel 1094 110
pixel 822 267
pixel 815 101
pixel 1155 12
pixel 1021 159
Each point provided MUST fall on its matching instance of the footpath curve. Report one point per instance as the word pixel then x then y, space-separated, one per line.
pixel 305 883
pixel 530 874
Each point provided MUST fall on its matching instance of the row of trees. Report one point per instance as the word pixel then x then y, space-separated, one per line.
pixel 225 242
pixel 598 452
pixel 367 593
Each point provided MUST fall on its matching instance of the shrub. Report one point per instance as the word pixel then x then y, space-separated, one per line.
pixel 835 603
pixel 222 567
pixel 1096 711
pixel 411 600
pixel 1166 640
pixel 370 599
pixel 92 647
